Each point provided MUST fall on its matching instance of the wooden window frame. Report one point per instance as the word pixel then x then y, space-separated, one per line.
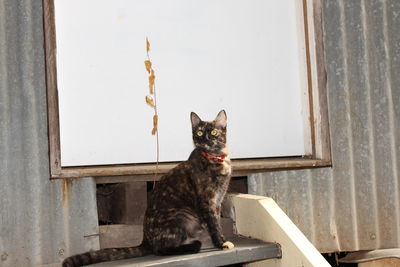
pixel 320 155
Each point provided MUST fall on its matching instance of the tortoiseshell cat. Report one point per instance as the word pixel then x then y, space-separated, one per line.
pixel 185 202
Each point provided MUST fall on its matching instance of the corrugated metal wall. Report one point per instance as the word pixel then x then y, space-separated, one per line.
pixel 355 204
pixel 39 219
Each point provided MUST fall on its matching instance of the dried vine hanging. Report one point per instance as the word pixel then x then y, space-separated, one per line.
pixel 151 100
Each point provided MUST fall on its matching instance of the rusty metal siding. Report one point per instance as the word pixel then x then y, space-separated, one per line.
pixel 39 219
pixel 355 204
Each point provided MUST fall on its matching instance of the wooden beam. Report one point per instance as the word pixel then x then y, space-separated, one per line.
pixel 145 172
pixel 51 83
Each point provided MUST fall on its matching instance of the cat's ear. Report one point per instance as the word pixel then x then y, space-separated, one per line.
pixel 195 119
pixel 221 120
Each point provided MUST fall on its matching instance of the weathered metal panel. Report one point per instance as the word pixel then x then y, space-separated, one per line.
pixel 355 204
pixel 382 119
pixel 39 219
pixel 324 233
pixel 360 131
pixel 392 41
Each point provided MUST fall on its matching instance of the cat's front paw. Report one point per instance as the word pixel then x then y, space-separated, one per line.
pixel 228 245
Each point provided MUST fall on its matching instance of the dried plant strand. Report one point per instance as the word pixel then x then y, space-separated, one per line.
pixel 147 45
pixel 150 101
pixel 155 121
pixel 155 125
pixel 147 64
pixel 152 78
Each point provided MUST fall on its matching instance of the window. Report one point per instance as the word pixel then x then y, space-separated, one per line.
pixel 261 62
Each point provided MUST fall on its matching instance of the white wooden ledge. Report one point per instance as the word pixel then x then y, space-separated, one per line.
pixel 261 218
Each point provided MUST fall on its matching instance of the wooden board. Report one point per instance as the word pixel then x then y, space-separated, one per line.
pixel 246 250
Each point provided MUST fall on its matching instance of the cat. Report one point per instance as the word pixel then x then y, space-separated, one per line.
pixel 184 203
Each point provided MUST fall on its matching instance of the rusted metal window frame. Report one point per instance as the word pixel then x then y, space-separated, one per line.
pixel 317 104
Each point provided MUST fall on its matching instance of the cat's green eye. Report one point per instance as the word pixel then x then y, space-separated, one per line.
pixel 214 132
pixel 199 133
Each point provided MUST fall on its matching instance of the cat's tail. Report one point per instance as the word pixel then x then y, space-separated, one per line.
pixel 107 254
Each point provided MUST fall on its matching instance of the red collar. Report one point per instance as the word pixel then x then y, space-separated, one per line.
pixel 216 158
